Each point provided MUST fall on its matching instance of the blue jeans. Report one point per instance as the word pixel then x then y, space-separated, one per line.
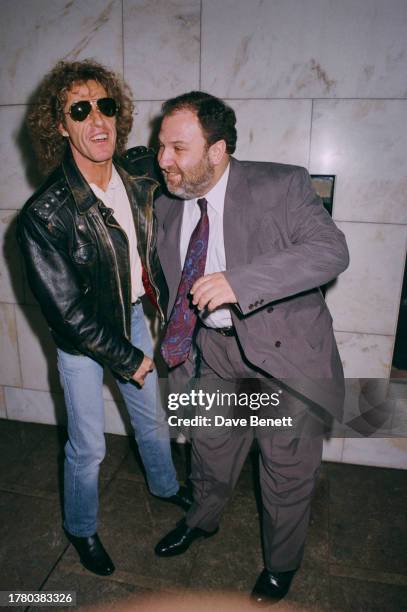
pixel 82 380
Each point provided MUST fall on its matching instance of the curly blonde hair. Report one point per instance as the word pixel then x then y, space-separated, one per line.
pixel 47 112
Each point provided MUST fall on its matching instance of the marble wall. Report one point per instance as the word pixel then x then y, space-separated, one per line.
pixel 317 83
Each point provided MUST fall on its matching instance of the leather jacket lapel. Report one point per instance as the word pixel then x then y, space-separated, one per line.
pixel 81 192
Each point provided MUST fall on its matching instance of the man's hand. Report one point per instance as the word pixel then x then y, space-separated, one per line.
pixel 211 291
pixel 147 365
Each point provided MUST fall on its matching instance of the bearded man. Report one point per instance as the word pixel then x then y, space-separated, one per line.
pixel 245 247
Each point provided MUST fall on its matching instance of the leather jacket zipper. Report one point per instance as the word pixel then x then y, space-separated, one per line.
pixel 150 276
pixel 116 270
pixel 128 258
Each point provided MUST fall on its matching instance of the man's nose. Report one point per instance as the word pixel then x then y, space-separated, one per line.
pixel 164 158
pixel 96 116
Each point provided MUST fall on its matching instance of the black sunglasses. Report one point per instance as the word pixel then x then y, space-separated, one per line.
pixel 80 110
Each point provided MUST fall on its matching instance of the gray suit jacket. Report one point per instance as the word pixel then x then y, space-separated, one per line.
pixel 280 246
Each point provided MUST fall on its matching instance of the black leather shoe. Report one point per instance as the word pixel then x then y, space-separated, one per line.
pixel 92 554
pixel 182 498
pixel 271 586
pixel 180 539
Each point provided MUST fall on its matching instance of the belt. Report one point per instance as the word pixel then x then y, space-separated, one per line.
pixel 224 331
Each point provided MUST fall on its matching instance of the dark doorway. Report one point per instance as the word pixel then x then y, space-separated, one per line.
pixel 399 369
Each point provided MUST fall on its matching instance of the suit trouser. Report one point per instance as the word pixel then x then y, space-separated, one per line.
pixel 289 462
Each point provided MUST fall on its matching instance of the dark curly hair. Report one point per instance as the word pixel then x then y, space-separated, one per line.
pixel 217 119
pixel 48 109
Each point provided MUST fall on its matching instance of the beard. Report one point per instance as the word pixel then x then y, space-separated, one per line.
pixel 192 183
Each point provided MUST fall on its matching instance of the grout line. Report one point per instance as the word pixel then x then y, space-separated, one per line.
pixel 369 575
pixel 52 392
pixel 265 98
pixel 310 133
pixel 43 583
pixel 123 39
pixel 329 538
pixel 200 45
pixel 114 474
pixel 18 354
pixel 32 494
pixel 396 224
pixel 361 333
pixel 123 577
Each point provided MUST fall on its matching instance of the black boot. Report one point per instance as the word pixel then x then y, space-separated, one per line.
pixel 92 554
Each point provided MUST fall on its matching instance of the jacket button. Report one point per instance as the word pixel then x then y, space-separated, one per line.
pixel 261 301
pixel 251 306
pixel 277 344
pixel 270 309
pixel 256 303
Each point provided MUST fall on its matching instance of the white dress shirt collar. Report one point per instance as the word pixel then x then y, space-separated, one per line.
pixel 216 196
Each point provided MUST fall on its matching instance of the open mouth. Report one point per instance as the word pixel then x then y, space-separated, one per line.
pixel 99 138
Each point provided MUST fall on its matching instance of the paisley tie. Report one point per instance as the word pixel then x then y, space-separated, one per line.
pixel 178 336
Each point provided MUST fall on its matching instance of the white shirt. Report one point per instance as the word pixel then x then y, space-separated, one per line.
pixel 116 197
pixel 216 258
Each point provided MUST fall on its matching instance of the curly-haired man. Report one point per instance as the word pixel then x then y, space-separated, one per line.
pixel 88 240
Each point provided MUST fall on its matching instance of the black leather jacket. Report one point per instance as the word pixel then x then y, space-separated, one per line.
pixel 77 259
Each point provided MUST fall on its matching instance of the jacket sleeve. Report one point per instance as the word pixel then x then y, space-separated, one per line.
pixel 317 252
pixel 66 301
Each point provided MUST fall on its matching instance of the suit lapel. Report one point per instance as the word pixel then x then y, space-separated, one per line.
pixel 168 246
pixel 236 217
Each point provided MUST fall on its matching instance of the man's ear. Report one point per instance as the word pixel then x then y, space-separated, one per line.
pixel 62 131
pixel 217 152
